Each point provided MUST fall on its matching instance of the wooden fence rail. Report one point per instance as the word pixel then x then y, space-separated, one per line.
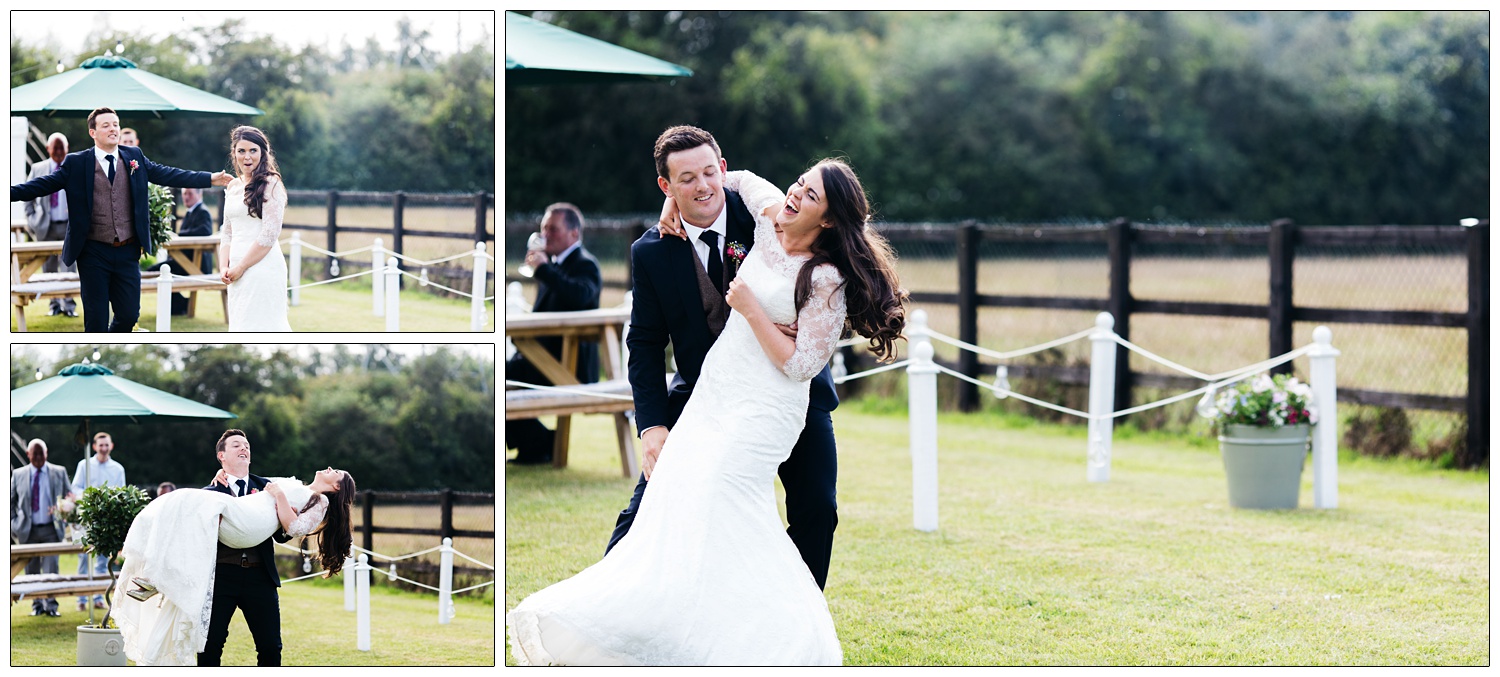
pixel 1280 240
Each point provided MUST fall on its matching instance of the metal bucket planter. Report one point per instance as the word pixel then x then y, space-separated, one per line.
pixel 100 646
pixel 1264 465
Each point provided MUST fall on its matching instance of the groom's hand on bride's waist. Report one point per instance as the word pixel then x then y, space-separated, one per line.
pixel 789 329
pixel 653 439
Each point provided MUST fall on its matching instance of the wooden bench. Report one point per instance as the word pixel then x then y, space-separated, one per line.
pixel 64 285
pixel 579 399
pixel 56 585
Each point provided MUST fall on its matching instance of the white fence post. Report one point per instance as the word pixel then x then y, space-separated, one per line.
pixel 1101 397
pixel 921 379
pixel 294 268
pixel 481 272
pixel 1325 443
pixel 377 264
pixel 348 574
pixel 164 300
pixel 362 586
pixel 445 583
pixel 392 294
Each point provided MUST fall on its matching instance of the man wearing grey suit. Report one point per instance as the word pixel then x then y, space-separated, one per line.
pixel 34 491
pixel 47 218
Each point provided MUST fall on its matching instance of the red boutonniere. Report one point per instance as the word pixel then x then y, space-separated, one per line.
pixel 254 491
pixel 133 166
pixel 736 253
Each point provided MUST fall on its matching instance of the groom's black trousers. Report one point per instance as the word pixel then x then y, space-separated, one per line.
pixel 108 276
pixel 810 476
pixel 252 591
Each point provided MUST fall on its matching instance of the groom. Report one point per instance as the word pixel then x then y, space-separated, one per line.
pixel 244 579
pixel 678 289
pixel 108 227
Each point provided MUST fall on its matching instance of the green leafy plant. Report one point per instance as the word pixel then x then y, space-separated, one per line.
pixel 105 513
pixel 1264 401
pixel 160 212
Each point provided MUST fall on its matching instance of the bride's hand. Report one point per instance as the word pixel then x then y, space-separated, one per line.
pixel 221 478
pixel 742 299
pixel 230 275
pixel 670 222
pixel 275 490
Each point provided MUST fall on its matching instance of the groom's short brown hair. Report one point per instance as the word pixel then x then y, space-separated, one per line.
pixel 219 448
pixel 99 111
pixel 679 138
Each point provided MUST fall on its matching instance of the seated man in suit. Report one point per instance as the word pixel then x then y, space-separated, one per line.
pixel 567 278
pixel 197 222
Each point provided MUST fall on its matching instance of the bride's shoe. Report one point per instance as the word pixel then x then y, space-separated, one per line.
pixel 145 592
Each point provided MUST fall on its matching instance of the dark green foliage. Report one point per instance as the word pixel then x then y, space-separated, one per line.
pixel 394 422
pixel 364 120
pixel 106 513
pixel 1323 117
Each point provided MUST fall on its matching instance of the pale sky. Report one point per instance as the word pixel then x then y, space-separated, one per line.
pixel 67 29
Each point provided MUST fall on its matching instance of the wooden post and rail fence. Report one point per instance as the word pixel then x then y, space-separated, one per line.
pixel 1280 241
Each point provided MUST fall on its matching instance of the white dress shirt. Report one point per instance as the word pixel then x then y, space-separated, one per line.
pixel 104 164
pixel 566 252
pixel 720 226
pixel 60 211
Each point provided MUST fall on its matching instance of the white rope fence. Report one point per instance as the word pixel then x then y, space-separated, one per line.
pixel 356 575
pixel 385 271
pixel 922 373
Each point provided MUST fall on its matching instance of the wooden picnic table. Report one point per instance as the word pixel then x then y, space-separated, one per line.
pixel 603 326
pixel 21 553
pixel 27 258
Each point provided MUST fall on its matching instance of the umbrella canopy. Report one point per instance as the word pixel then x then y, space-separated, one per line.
pixel 538 53
pixel 93 392
pixel 117 83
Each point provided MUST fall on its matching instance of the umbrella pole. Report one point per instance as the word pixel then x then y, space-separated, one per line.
pixel 88 568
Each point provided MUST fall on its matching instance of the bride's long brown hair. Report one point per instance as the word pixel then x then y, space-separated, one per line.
pixel 260 177
pixel 864 257
pixel 336 538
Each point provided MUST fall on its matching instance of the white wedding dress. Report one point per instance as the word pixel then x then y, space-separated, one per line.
pixel 173 543
pixel 707 574
pixel 257 301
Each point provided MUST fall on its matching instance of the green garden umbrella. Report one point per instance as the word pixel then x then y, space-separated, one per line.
pixel 538 53
pixel 91 392
pixel 115 82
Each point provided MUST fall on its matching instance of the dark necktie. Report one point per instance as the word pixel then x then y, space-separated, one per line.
pixel 715 263
pixel 36 489
pixel 242 487
pixel 111 159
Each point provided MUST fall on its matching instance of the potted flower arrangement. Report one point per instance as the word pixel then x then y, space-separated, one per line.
pixel 105 515
pixel 1264 425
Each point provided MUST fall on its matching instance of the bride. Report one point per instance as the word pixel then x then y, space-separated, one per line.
pixel 707 575
pixel 166 590
pixel 252 264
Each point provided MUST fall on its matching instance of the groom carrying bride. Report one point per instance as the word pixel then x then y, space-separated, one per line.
pixel 108 226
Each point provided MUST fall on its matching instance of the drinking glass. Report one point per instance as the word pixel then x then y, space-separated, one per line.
pixel 537 242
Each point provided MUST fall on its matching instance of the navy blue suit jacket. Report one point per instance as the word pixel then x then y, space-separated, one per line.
pixel 667 308
pixel 76 175
pixel 266 551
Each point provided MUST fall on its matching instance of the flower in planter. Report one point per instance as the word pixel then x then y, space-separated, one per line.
pixel 1264 401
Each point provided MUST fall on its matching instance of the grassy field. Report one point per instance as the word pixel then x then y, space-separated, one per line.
pixel 315 630
pixel 466 517
pixel 440 219
pixel 1428 360
pixel 1033 565
pixel 344 306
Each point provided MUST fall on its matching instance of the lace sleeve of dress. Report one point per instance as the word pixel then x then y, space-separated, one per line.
pixel 758 194
pixel 271 213
pixel 225 230
pixel 309 520
pixel 820 323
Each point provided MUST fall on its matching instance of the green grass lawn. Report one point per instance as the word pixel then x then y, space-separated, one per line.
pixel 344 306
pixel 315 629
pixel 1034 565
